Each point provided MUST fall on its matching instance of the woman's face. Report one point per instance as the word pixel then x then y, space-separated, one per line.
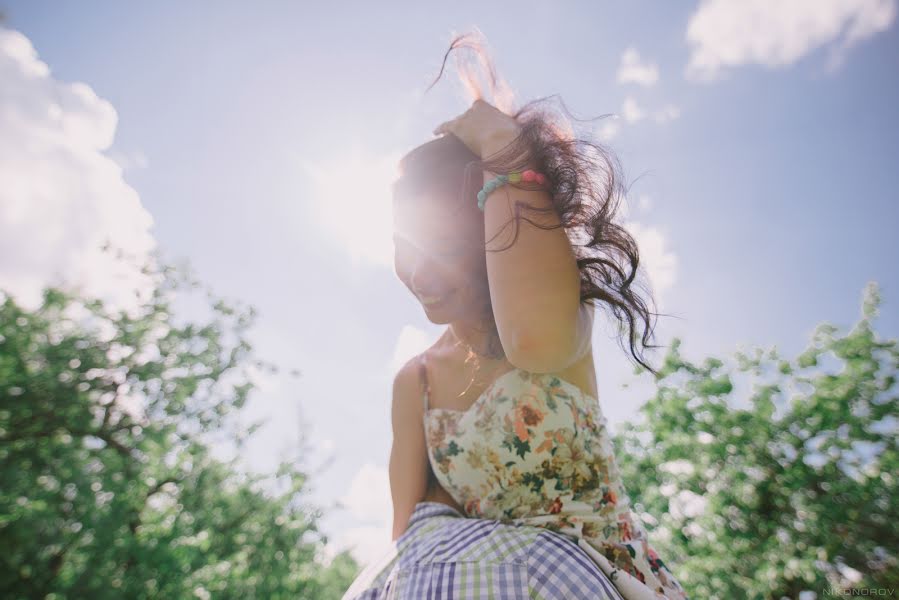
pixel 439 256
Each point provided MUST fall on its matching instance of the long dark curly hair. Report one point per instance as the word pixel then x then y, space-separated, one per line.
pixel 584 182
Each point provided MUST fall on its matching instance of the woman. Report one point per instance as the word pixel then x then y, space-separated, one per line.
pixel 500 417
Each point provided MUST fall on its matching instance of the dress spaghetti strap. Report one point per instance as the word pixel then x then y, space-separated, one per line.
pixel 423 372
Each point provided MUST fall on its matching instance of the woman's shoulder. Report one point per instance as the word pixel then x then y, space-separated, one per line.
pixel 408 376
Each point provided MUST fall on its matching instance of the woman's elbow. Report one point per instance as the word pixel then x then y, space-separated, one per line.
pixel 544 355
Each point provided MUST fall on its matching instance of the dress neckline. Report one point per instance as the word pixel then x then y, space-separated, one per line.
pixel 496 381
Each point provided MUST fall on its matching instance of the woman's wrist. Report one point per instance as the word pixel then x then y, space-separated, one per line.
pixel 493 181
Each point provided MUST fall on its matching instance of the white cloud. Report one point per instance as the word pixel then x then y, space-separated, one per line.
pixel 131 160
pixel 368 500
pixel 633 70
pixel 351 201
pixel 631 111
pixel 658 261
pixel 366 543
pixel 62 198
pixel 411 341
pixel 776 33
pixel 609 128
pixel 368 497
pixel 644 203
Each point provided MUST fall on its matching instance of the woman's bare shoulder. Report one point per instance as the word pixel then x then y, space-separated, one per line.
pixel 407 379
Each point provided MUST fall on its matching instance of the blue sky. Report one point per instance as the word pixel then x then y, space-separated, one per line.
pixel 261 143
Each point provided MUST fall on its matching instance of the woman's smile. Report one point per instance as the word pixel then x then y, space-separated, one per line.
pixel 433 302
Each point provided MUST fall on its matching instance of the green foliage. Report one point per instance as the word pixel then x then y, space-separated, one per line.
pixel 109 486
pixel 777 495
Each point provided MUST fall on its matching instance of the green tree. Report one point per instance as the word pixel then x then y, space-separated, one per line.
pixel 110 489
pixel 795 489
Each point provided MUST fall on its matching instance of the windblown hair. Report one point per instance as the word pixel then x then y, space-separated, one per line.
pixel 585 186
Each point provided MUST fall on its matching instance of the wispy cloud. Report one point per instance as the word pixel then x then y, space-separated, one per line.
pixel 62 197
pixel 632 113
pixel 774 33
pixel 609 128
pixel 411 341
pixel 368 502
pixel 130 160
pixel 657 258
pixel 633 69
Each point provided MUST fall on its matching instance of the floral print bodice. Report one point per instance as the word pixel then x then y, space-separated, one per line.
pixel 535 449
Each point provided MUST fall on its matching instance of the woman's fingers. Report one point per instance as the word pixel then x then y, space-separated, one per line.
pixel 477 106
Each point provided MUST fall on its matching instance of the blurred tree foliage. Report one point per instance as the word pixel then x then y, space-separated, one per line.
pixel 109 488
pixel 794 490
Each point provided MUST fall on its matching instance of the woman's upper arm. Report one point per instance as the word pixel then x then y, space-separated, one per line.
pixel 408 454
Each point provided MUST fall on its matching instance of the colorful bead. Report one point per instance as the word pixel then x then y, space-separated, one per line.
pixel 528 175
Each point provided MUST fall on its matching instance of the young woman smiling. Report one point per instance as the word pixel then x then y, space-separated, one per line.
pixel 500 418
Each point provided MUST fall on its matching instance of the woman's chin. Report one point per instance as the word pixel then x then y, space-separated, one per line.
pixel 441 306
pixel 439 315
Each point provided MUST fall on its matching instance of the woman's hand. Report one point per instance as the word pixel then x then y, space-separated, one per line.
pixel 483 128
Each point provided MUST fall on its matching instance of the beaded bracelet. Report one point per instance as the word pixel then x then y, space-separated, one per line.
pixel 500 180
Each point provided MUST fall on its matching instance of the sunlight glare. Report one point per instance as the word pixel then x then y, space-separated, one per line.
pixel 352 202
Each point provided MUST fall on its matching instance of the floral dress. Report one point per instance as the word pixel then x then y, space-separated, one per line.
pixel 534 449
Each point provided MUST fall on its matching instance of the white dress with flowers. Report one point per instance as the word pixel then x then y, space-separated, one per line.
pixel 534 449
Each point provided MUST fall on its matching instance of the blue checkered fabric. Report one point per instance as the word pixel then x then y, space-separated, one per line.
pixel 445 556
